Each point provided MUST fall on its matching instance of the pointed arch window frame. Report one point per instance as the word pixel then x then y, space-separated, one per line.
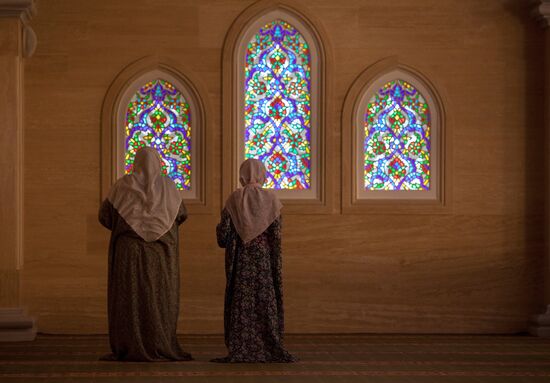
pixel 364 99
pixel 357 200
pixel 316 200
pixel 250 32
pixel 113 124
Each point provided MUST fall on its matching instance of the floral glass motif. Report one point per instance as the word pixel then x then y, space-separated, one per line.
pixel 397 139
pixel 158 116
pixel 277 109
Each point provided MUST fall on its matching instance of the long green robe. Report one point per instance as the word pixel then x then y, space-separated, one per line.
pixel 143 291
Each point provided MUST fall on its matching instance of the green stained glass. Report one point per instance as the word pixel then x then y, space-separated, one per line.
pixel 277 96
pixel 397 139
pixel 158 116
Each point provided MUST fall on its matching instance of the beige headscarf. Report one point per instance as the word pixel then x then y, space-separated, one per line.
pixel 147 201
pixel 252 208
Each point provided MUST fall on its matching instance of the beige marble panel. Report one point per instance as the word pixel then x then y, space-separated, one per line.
pixel 475 268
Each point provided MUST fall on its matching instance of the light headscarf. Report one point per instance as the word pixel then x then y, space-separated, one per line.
pixel 252 208
pixel 147 201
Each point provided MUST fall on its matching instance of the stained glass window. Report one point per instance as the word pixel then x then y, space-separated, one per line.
pixel 159 116
pixel 397 139
pixel 277 109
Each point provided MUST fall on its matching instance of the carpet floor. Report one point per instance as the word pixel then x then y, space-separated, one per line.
pixel 323 358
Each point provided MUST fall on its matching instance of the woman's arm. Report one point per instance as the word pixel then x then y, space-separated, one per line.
pixel 182 214
pixel 105 214
pixel 223 230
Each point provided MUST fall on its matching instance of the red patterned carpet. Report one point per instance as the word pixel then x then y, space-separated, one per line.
pixel 324 358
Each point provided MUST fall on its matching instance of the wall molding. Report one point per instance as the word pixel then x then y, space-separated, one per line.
pixel 16 325
pixel 24 10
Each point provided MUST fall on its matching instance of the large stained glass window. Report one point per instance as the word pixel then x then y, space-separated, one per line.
pixel 277 105
pixel 397 139
pixel 159 116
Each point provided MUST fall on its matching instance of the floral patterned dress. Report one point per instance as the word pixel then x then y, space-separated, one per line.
pixel 253 314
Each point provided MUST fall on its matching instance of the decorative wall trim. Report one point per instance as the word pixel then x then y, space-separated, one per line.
pixel 24 10
pixel 29 41
pixel 16 325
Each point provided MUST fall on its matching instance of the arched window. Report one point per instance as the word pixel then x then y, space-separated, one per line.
pixel 159 108
pixel 398 144
pixel 277 109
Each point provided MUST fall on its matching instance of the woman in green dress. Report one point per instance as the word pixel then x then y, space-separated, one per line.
pixel 143 212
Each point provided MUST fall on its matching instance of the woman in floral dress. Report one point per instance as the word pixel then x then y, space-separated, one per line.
pixel 250 232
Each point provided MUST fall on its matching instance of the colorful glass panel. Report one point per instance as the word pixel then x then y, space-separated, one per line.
pixel 397 139
pixel 277 105
pixel 158 116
